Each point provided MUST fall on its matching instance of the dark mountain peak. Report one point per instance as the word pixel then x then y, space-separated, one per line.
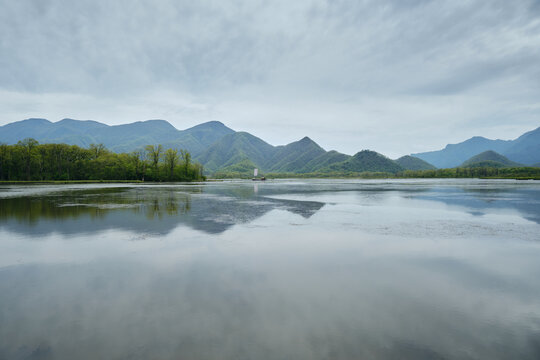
pixel 413 163
pixel 155 121
pixel 153 124
pixel 490 153
pixel 242 134
pixel 475 140
pixel 213 125
pixel 69 121
pixel 535 132
pixel 235 148
pixel 367 160
pixel 294 156
pixel 489 158
pixel 33 120
pixel 306 140
pixel 240 137
pixel 363 153
pixel 303 143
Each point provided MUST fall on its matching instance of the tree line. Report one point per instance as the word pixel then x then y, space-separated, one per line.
pixel 474 172
pixel 30 161
pixel 460 172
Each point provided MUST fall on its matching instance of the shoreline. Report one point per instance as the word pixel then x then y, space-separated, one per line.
pixel 67 182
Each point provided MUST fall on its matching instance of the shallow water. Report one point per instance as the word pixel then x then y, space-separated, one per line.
pixel 318 269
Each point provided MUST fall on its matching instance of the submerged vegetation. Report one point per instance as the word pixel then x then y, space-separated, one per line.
pixel 30 161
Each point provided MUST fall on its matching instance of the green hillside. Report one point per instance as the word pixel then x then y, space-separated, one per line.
pixel 242 169
pixel 413 163
pixel 490 159
pixel 117 138
pixel 294 156
pixel 323 161
pixel 366 160
pixel 236 148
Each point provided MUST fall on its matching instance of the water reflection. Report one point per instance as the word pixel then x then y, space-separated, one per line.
pixel 525 200
pixel 141 209
pixel 285 270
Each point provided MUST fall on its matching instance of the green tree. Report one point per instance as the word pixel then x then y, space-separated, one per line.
pixel 186 158
pixel 171 160
pixel 137 159
pixel 28 146
pixel 97 150
pixel 154 154
pixel 5 161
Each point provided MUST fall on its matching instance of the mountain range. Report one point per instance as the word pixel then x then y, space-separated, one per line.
pixel 223 151
pixel 117 138
pixel 524 150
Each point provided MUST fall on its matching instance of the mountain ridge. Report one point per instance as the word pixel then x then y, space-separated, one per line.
pixel 220 148
pixel 117 138
pixel 525 149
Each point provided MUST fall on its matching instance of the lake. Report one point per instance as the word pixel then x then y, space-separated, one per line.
pixel 284 269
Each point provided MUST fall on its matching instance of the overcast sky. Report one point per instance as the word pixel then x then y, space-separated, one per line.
pixel 396 77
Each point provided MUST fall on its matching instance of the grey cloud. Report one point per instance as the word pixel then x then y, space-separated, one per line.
pixel 89 46
pixel 293 55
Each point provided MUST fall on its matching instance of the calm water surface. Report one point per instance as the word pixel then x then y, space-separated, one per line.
pixel 321 269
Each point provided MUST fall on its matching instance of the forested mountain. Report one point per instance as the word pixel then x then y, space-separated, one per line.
pixel 72 132
pixel 294 156
pixel 323 161
pixel 117 138
pixel 366 160
pixel 525 149
pixel 236 148
pixel 239 153
pixel 490 159
pixel 413 163
pixel 223 151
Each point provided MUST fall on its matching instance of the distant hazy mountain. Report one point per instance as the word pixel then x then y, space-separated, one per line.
pixel 525 150
pixel 366 160
pixel 491 159
pixel 413 163
pixel 455 154
pixel 65 131
pixel 118 138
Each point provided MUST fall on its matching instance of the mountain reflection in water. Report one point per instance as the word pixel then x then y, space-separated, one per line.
pixel 141 209
pixel 304 269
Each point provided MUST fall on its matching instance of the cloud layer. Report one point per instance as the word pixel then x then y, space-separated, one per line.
pixel 393 76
